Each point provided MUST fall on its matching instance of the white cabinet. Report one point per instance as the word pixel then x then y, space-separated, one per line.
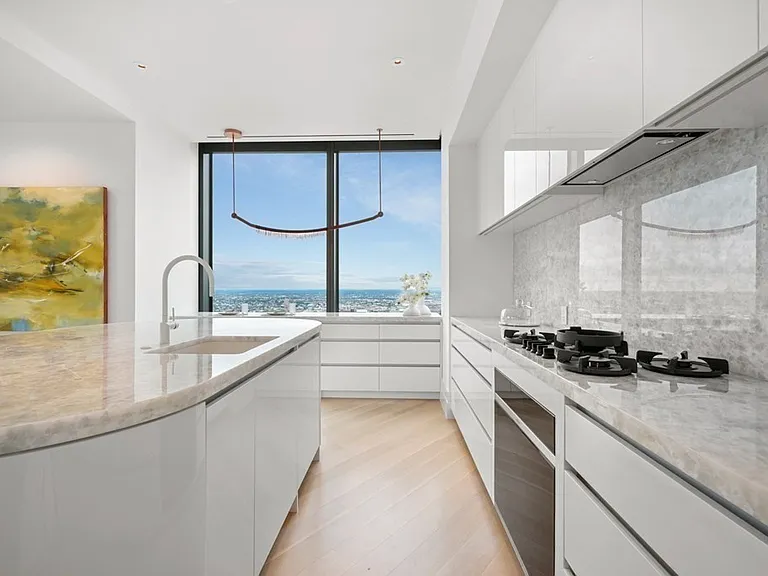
pixel 410 332
pixel 349 378
pixel 477 441
pixel 589 69
pixel 409 378
pixel 689 43
pixel 306 361
pixel 126 503
pixel 690 532
pixel 262 437
pixel 230 434
pixel 402 361
pixel 403 353
pixel 596 543
pixel 350 332
pixel 350 353
pixel 477 391
pixel 276 455
pixel 763 8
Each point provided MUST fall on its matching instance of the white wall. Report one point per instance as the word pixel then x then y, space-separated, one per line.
pixel 166 219
pixel 83 154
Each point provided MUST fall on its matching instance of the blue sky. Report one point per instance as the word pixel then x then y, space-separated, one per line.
pixel 288 190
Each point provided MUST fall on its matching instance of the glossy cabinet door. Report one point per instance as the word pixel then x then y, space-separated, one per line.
pixel 306 361
pixel 126 503
pixel 230 434
pixel 689 43
pixel 589 70
pixel 276 449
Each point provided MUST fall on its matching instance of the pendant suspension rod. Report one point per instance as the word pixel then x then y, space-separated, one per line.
pixel 305 232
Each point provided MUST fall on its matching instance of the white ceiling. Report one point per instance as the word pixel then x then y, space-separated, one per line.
pixel 267 66
pixel 32 92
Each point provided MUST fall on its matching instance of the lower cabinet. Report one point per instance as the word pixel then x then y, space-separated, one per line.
pixel 409 379
pixel 475 437
pixel 596 543
pixel 691 533
pixel 262 437
pixel 387 360
pixel 126 503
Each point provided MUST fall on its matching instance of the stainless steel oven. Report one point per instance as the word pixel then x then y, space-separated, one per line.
pixel 524 475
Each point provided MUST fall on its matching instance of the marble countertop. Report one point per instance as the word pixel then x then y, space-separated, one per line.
pixel 713 430
pixel 338 317
pixel 73 383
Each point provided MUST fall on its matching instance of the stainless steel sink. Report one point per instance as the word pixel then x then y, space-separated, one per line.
pixel 216 345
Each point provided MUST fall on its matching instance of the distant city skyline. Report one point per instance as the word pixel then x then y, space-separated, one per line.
pixel 288 190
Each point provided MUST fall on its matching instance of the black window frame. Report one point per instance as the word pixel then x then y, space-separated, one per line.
pixel 332 149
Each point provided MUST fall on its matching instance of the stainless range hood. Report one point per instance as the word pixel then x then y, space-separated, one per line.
pixel 640 149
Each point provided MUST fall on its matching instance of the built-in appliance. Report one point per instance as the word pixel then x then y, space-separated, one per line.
pixel 594 352
pixel 644 147
pixel 681 365
pixel 524 475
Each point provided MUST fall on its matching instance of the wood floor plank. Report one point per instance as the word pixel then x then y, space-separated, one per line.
pixel 395 492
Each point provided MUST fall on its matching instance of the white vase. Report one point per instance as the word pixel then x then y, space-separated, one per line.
pixel 412 310
pixel 423 309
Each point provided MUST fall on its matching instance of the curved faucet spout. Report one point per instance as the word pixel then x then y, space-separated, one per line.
pixel 167 273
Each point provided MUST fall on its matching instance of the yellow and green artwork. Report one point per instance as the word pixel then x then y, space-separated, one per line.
pixel 53 257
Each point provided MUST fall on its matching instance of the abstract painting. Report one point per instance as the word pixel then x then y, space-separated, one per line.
pixel 53 257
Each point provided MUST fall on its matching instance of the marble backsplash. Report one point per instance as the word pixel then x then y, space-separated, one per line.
pixel 675 255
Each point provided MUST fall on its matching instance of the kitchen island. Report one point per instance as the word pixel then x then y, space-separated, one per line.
pixel 122 456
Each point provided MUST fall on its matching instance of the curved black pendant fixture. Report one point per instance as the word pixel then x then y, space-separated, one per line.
pixel 234 134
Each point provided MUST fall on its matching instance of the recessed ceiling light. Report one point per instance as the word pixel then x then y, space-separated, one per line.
pixel 592 182
pixel 140 65
pixel 397 62
pixel 665 142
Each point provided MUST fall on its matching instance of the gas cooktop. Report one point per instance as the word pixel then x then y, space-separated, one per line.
pixel 681 365
pixel 593 352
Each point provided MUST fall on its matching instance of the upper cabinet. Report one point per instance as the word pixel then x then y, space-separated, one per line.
pixel 589 69
pixel 763 23
pixel 689 43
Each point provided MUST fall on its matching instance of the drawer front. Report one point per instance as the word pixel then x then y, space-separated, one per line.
pixel 475 389
pixel 690 532
pixel 545 395
pixel 425 353
pixel 479 446
pixel 355 378
pixel 410 332
pixel 349 353
pixel 409 379
pixel 596 543
pixel 475 353
pixel 350 332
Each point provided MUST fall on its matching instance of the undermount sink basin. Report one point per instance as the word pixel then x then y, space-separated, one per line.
pixel 216 345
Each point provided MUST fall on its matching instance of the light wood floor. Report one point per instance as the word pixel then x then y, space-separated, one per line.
pixel 395 492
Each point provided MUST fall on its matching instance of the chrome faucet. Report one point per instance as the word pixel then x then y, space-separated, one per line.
pixel 165 326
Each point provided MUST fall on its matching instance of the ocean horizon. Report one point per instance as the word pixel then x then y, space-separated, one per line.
pixel 313 299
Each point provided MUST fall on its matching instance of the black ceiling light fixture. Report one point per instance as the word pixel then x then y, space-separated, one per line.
pixel 234 134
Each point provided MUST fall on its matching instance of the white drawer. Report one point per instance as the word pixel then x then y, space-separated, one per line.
pixel 410 332
pixel 350 332
pixel 475 353
pixel 349 353
pixel 692 534
pixel 479 446
pixel 596 544
pixel 357 378
pixel 545 395
pixel 425 353
pixel 475 389
pixel 409 379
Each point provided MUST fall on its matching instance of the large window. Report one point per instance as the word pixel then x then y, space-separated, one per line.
pixel 301 185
